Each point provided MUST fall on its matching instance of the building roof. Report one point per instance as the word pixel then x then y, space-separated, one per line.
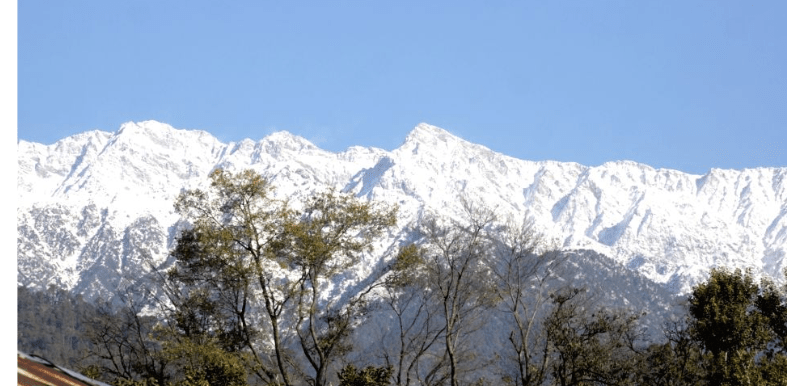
pixel 37 371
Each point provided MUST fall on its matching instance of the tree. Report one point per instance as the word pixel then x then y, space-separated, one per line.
pixel 225 271
pixel 123 344
pixel 328 237
pixel 417 325
pixel 456 262
pixel 205 362
pixel 50 324
pixel 676 362
pixel 589 347
pixel 733 335
pixel 772 304
pixel 247 251
pixel 726 325
pixel 369 376
pixel 523 268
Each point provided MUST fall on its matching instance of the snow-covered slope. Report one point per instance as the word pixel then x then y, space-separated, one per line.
pixel 94 208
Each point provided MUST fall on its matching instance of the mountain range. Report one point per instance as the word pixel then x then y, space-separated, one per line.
pixel 95 210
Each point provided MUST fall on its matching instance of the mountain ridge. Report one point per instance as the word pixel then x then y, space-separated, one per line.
pixel 94 193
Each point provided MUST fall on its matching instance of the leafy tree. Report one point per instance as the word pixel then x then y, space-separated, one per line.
pixel 328 237
pixel 248 252
pixel 598 348
pixel 369 376
pixel 772 304
pixel 677 362
pixel 225 270
pixel 205 362
pixel 727 326
pixel 733 335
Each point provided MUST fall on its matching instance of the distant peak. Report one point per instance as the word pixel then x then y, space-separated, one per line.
pixel 145 128
pixel 285 135
pixel 156 129
pixel 145 125
pixel 426 132
pixel 289 140
pixel 431 129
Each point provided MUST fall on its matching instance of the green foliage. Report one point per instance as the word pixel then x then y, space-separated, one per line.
pixel 248 252
pixel 589 348
pixel 135 382
pixel 50 323
pixel 772 305
pixel 226 271
pixel 676 362
pixel 369 376
pixel 733 336
pixel 326 238
pixel 773 370
pixel 724 318
pixel 205 363
pixel 331 233
pixel 406 267
pixel 728 327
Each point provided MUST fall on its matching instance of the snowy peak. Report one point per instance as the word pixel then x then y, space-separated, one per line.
pixel 156 136
pixel 290 141
pixel 88 195
pixel 148 128
pixel 282 142
pixel 43 168
pixel 427 133
pixel 425 137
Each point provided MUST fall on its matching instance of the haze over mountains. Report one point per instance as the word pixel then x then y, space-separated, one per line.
pixel 96 208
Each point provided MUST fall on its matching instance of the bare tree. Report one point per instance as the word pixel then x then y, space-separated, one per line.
pixel 417 323
pixel 524 266
pixel 122 345
pixel 456 262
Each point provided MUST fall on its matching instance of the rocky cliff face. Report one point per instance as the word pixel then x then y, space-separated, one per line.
pixel 95 209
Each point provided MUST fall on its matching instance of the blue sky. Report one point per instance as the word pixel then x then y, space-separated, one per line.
pixel 688 85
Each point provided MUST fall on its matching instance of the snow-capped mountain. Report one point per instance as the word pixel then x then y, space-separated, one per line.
pixel 95 208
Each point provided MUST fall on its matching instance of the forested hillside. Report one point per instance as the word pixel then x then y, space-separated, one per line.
pixel 51 324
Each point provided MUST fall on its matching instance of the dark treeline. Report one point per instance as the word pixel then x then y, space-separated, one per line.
pixel 248 302
pixel 50 323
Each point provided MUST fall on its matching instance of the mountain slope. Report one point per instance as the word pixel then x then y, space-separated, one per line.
pixel 96 208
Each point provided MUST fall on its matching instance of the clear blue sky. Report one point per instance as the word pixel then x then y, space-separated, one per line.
pixel 688 85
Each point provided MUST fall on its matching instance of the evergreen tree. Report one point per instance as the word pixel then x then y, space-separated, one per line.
pixel 677 362
pixel 50 323
pixel 728 328
pixel 589 347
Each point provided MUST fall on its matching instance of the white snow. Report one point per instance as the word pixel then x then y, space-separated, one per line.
pixel 668 225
